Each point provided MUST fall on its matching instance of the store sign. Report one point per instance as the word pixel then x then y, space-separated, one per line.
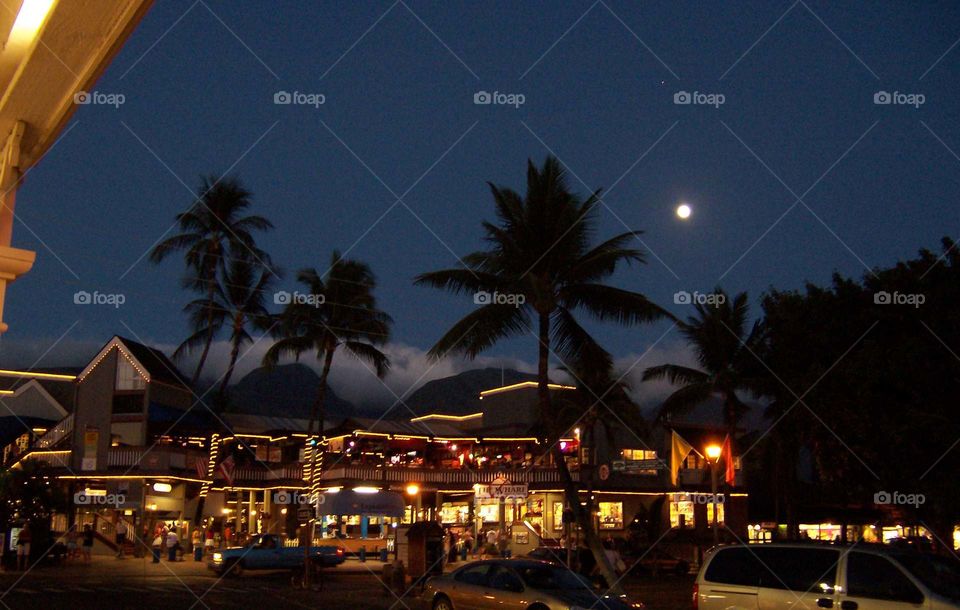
pixel 91 437
pixel 498 491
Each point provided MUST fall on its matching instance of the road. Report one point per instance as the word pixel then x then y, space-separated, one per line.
pixel 140 585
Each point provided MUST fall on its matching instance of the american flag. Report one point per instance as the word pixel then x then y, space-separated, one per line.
pixel 201 466
pixel 226 467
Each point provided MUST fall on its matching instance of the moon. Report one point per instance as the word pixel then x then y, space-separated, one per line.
pixel 684 211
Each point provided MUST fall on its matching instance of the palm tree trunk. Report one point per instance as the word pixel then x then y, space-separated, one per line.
pixel 317 412
pixel 234 354
pixel 571 491
pixel 209 341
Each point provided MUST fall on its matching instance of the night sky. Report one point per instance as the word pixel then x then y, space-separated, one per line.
pixel 798 173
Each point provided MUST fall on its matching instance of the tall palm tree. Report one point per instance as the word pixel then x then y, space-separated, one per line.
pixel 212 231
pixel 541 257
pixel 338 309
pixel 724 347
pixel 245 290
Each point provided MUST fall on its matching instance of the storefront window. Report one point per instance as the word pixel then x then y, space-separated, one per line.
pixel 681 505
pixel 611 515
pixel 557 516
pixel 489 511
pixel 454 513
pixel 710 513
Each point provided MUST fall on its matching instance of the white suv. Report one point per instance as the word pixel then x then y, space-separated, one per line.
pixel 864 577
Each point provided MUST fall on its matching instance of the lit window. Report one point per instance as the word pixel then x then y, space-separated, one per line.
pixel 680 505
pixel 611 515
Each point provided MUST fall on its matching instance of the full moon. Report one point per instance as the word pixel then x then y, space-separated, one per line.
pixel 684 211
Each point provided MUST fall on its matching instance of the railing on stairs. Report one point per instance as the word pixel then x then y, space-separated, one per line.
pixel 54 435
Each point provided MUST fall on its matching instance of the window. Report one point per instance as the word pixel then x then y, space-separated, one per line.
pixel 473 575
pixel 710 513
pixel 875 577
pixel 639 454
pixel 504 579
pixel 796 569
pixel 611 515
pixel 681 506
pixel 775 568
pixel 127 377
pixel 558 516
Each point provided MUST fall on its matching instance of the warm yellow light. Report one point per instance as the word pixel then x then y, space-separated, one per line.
pixel 413 489
pixel 29 19
pixel 333 490
pixel 283 511
pixel 226 511
pixel 714 451
pixel 253 513
pixel 151 507
pixel 31 374
pixel 163 487
pixel 362 489
pixel 524 384
pixel 94 492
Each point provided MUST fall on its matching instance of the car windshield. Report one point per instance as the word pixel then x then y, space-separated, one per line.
pixel 552 577
pixel 941 575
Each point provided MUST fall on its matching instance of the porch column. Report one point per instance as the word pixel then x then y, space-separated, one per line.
pixel 14 262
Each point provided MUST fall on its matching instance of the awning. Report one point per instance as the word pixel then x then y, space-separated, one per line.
pixel 348 502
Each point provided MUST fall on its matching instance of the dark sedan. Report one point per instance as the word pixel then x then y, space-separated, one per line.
pixel 515 584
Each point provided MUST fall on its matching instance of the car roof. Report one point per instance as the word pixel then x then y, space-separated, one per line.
pixel 872 548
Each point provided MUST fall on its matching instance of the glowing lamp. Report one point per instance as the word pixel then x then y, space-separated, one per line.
pixel 413 489
pixel 713 451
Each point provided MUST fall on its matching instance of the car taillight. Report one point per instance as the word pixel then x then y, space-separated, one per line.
pixel 696 596
pixel 339 551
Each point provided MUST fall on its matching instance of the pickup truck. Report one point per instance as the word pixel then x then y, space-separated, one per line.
pixel 267 552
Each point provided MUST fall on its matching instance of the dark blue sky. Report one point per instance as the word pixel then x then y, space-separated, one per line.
pixel 599 82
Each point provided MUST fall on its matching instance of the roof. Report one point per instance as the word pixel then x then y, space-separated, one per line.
pixel 155 362
pixel 407 428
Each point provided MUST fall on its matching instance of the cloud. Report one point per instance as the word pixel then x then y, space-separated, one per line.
pixel 351 379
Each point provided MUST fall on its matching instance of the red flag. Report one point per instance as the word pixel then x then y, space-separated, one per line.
pixel 730 476
pixel 226 467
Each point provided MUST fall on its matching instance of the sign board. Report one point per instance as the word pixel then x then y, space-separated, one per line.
pixel 604 472
pixel 91 437
pixel 618 465
pixel 498 491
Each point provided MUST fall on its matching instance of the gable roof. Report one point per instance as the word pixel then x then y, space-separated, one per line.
pixel 153 363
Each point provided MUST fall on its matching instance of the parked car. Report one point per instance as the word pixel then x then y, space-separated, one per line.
pixel 267 552
pixel 864 577
pixel 660 561
pixel 512 584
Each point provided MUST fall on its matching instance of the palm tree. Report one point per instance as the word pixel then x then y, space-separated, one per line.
pixel 338 309
pixel 541 259
pixel 246 285
pixel 212 231
pixel 725 351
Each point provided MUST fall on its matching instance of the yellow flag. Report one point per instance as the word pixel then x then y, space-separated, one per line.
pixel 679 450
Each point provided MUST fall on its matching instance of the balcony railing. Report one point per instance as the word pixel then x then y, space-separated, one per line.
pixel 57 433
pixel 154 458
pixel 466 477
pixel 51 459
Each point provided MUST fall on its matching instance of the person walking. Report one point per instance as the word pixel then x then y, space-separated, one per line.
pixel 158 540
pixel 87 545
pixel 209 543
pixel 72 550
pixel 23 547
pixel 173 543
pixel 121 536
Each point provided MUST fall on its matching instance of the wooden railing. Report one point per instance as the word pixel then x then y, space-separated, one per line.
pixel 443 476
pixel 56 434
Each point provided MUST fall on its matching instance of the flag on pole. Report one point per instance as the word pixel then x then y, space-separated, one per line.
pixel 730 476
pixel 226 467
pixel 679 450
pixel 201 466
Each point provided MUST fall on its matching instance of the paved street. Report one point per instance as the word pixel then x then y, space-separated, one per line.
pixel 139 584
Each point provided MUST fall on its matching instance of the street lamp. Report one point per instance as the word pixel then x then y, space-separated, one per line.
pixel 713 455
pixel 413 490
